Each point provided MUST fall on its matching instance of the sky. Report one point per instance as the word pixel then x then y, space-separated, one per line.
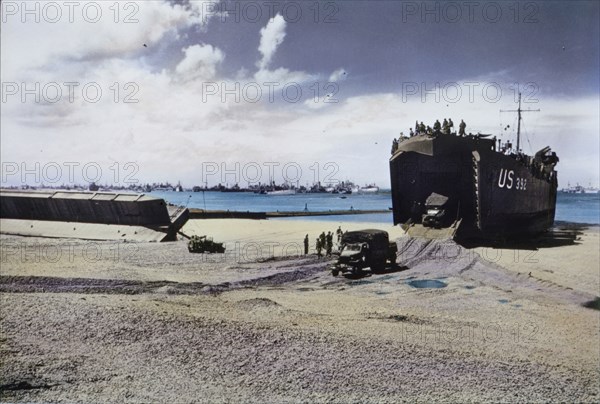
pixel 238 92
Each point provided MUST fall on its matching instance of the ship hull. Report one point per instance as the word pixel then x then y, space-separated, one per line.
pixel 494 195
pixel 511 198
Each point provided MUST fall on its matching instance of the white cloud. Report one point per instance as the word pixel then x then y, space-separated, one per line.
pixel 339 74
pixel 200 61
pixel 30 46
pixel 173 129
pixel 271 36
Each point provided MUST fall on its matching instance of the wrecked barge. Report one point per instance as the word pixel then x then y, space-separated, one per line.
pixel 89 215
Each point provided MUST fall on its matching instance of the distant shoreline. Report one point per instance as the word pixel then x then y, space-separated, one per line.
pixel 231 214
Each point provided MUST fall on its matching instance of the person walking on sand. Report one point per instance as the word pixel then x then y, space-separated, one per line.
pixel 306 245
pixel 323 240
pixel 319 246
pixel 329 243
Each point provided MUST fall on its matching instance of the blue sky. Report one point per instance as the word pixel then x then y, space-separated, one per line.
pixel 367 70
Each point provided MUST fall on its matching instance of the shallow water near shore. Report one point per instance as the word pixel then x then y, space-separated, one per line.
pixel 576 208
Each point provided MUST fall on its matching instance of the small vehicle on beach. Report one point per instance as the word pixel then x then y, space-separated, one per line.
pixel 361 249
pixel 202 244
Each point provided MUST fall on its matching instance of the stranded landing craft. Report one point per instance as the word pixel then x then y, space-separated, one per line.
pixel 472 185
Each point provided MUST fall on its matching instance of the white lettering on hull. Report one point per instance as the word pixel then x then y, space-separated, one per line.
pixel 507 180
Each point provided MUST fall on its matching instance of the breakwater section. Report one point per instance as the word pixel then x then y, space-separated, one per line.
pixel 228 214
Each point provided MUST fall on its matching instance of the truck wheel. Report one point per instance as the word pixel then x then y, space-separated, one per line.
pixel 335 272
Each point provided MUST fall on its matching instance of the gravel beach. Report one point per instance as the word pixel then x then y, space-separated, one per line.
pixel 119 322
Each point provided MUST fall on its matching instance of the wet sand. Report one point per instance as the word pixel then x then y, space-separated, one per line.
pixel 110 322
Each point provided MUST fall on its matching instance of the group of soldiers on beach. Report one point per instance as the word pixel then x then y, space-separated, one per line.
pixel 444 128
pixel 324 242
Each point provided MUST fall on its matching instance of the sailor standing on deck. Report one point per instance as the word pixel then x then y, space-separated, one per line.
pixel 461 128
pixel 437 126
pixel 450 125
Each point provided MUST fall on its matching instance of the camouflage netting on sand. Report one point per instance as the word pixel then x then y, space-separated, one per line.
pixel 447 259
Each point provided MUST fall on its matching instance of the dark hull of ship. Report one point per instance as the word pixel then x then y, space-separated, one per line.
pixel 493 194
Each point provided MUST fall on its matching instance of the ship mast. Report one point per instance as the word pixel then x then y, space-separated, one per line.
pixel 518 111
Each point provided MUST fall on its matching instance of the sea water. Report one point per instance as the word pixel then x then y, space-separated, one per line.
pixel 577 208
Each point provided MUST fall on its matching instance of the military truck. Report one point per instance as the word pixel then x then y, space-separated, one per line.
pixel 362 249
pixel 435 208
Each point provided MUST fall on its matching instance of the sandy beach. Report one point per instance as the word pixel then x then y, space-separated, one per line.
pixel 122 322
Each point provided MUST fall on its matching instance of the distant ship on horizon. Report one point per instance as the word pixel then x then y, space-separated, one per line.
pixel 578 189
pixel 368 189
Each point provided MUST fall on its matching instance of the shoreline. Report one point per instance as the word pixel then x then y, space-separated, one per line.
pixel 138 322
pixel 237 214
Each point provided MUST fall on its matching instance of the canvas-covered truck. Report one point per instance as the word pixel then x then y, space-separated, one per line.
pixel 365 249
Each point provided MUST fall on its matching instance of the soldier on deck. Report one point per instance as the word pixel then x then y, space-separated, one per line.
pixel 450 125
pixel 394 146
pixel 445 126
pixel 421 127
pixel 437 126
pixel 461 128
pixel 417 126
pixel 411 133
